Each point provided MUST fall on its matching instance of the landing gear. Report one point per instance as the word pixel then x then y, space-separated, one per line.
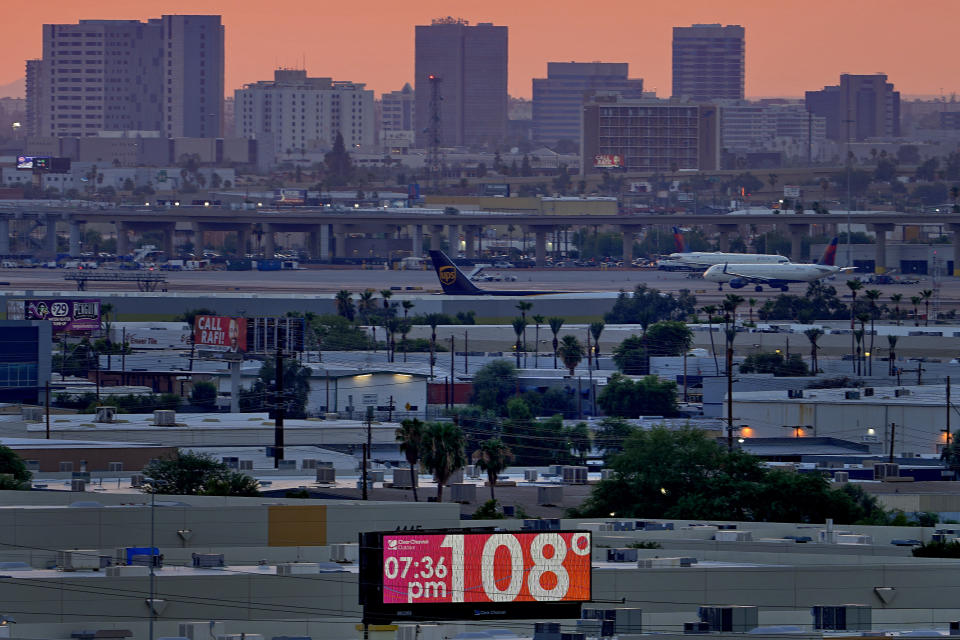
pixel 784 288
pixel 758 288
pixel 720 287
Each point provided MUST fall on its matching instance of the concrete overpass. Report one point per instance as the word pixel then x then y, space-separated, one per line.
pixel 327 228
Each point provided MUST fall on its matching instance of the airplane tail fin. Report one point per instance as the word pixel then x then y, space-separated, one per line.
pixel 678 241
pixel 451 278
pixel 830 253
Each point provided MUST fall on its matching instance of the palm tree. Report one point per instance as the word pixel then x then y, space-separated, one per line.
pixel 523 307
pixel 433 319
pixel 365 307
pixel 710 310
pixel 571 352
pixel 410 437
pixel 386 294
pixel 519 326
pixel 895 299
pixel 926 294
pixel 391 326
pixel 813 335
pixel 596 328
pixel 729 305
pixel 854 285
pixel 493 456
pixel 407 306
pixel 405 326
pixel 872 295
pixel 892 342
pixel 443 444
pixel 556 323
pixel 915 300
pixel 752 302
pixel 861 343
pixel 344 302
pixel 538 319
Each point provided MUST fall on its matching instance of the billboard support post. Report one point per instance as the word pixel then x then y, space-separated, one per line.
pixel 278 413
pixel 235 386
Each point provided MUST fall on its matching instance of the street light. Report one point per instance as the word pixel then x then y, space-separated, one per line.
pixel 154 484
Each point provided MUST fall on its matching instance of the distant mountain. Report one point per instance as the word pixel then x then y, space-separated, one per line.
pixel 16 89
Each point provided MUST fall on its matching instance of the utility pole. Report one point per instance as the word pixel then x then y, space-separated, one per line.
pixel 46 403
pixel 453 378
pixel 729 395
pixel 278 412
pixel 946 428
pixel 893 433
pixel 366 450
pixel 466 352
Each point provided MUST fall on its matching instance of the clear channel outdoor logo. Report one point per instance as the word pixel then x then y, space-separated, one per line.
pixel 395 543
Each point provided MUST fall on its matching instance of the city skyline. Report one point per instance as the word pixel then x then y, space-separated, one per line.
pixel 852 37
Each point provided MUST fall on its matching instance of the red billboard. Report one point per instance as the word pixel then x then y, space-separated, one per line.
pixel 607 160
pixel 488 568
pixel 220 333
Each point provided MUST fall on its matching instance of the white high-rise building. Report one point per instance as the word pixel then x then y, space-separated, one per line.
pixel 397 118
pixel 163 75
pixel 303 114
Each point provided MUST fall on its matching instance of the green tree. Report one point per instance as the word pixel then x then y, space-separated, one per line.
pixel 631 357
pixel 896 298
pixel 925 295
pixel 556 323
pixel 562 183
pixel 612 432
pixel 410 437
pixel 668 338
pixel 649 396
pixel 519 327
pixel 579 441
pixel 14 474
pixel 493 384
pixel 204 394
pixel 915 301
pixel 344 302
pixel 185 474
pixel 443 452
pixel 570 352
pixel 775 363
pixel 339 167
pixel 492 457
pixel 231 483
pixel 296 388
pixel 646 306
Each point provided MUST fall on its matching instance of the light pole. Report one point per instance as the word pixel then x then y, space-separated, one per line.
pixel 153 484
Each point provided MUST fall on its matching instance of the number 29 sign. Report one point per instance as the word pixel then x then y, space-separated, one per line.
pixel 486 567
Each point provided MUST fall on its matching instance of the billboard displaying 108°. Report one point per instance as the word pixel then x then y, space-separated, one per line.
pixel 465 574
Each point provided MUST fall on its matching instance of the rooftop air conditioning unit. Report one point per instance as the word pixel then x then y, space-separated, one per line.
pixel 731 619
pixel 847 617
pixel 841 477
pixel 297 568
pixel 78 484
pixel 32 414
pixel 870 437
pixel 901 392
pixel 326 475
pixel 550 495
pixel 574 475
pixel 345 552
pixel 464 493
pixel 851 395
pixel 119 571
pixel 208 560
pixel 106 414
pixel 867 391
pixel 884 470
pixel 165 418
pixel 77 559
pixel 794 393
pixel 530 475
pixel 308 463
pixel 200 630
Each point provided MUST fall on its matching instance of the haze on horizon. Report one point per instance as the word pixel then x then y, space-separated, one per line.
pixel 791 45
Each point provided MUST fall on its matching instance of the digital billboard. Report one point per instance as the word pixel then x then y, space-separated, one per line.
pixel 465 574
pixel 290 196
pixel 220 333
pixel 607 161
pixel 33 162
pixel 65 315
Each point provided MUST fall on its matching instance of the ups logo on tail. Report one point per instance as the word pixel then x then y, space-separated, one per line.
pixel 448 275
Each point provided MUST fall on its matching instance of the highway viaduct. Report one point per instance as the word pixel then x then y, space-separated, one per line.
pixel 327 228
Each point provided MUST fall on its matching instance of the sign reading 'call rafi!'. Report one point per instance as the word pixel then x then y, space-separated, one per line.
pixel 220 333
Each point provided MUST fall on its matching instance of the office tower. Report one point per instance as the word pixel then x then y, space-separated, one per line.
pixel 471 62
pixel 708 62
pixel 860 107
pixel 558 99
pixel 649 135
pixel 397 117
pixel 301 113
pixel 163 75
pixel 193 78
pixel 34 77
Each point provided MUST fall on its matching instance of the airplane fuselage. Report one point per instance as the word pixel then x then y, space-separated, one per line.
pixel 773 275
pixel 704 259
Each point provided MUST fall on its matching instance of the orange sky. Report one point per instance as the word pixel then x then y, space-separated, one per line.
pixel 792 45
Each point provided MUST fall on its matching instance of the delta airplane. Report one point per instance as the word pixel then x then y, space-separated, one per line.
pixel 696 260
pixel 454 283
pixel 775 276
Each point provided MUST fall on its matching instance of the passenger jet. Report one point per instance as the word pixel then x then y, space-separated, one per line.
pixel 775 276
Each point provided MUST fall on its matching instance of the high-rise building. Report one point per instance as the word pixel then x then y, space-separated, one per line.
pixel 34 77
pixel 471 63
pixel 558 99
pixel 708 62
pixel 302 114
pixel 860 107
pixel 163 75
pixel 649 135
pixel 397 110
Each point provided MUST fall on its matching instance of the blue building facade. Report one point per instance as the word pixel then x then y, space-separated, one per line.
pixel 558 99
pixel 25 360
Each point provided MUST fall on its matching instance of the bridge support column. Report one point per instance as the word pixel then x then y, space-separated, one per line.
pixel 955 228
pixel 269 244
pixel 50 237
pixel 629 232
pixel 797 232
pixel 470 238
pixel 453 239
pixel 416 240
pixel 540 233
pixel 75 239
pixel 243 241
pixel 725 230
pixel 169 231
pixel 123 240
pixel 880 261
pixel 436 234
pixel 4 236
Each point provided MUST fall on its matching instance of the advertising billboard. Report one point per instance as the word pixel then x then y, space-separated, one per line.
pixel 64 315
pixel 220 333
pixel 607 161
pixel 458 574
pixel 41 163
pixel 791 191
pixel 290 196
pixel 264 335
